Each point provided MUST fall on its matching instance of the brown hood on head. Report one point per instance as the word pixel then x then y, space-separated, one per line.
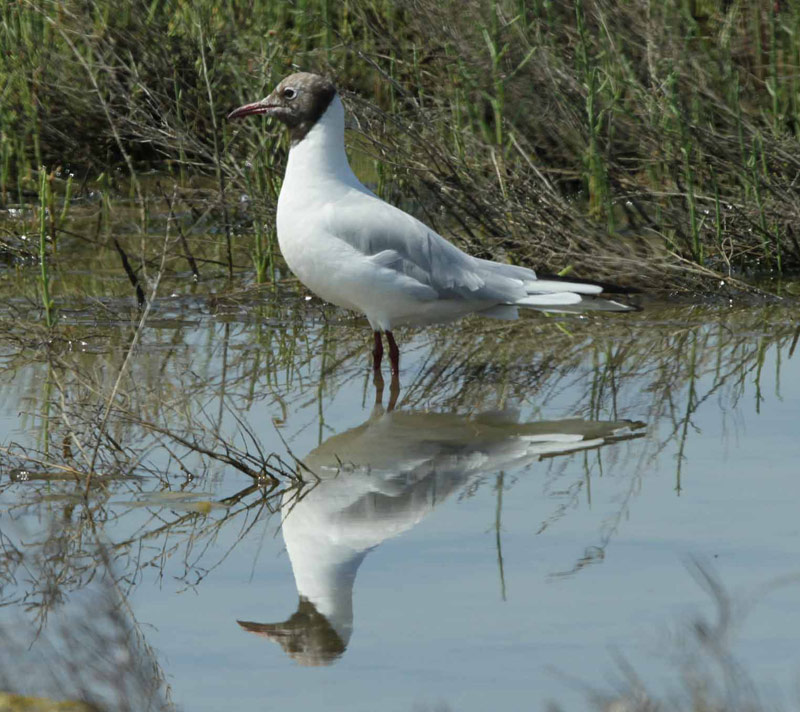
pixel 307 637
pixel 298 101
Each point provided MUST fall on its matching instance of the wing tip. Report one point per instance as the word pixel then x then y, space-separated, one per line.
pixel 605 287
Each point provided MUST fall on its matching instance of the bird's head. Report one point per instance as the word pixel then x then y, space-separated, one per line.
pixel 298 101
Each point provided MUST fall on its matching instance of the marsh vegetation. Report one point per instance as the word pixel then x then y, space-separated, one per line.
pixel 169 390
pixel 636 142
pixel 150 454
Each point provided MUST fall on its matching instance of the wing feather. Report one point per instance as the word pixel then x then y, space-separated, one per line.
pixel 396 240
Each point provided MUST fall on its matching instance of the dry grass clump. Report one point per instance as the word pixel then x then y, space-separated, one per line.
pixel 92 657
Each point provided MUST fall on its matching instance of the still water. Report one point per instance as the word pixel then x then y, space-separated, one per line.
pixel 551 505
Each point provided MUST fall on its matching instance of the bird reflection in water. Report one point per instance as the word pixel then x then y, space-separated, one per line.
pixel 382 478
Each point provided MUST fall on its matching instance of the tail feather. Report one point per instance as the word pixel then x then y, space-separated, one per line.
pixel 554 293
pixel 594 304
pixel 542 286
pixel 606 287
pixel 569 302
pixel 545 300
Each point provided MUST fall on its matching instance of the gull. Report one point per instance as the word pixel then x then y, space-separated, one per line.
pixel 353 249
pixel 378 481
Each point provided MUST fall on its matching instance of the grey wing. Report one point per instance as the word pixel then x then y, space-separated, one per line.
pixel 395 240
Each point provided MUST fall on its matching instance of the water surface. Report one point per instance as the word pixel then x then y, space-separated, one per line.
pixel 545 497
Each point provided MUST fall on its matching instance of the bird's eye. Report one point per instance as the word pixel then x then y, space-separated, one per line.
pixel 289 93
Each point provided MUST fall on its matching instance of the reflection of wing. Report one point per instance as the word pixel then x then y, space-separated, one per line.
pixel 380 479
pixel 405 441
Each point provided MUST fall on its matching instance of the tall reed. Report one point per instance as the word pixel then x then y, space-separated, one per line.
pixel 45 203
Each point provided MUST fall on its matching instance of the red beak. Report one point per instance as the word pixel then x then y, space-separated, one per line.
pixel 257 107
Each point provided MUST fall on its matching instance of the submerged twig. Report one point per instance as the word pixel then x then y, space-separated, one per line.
pixel 131 349
pixel 126 265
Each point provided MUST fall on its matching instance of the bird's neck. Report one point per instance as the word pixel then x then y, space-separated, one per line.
pixel 320 154
pixel 324 573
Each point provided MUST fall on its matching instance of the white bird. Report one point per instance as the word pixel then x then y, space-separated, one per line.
pixel 379 480
pixel 353 249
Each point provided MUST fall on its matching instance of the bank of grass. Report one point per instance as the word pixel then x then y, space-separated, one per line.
pixel 652 143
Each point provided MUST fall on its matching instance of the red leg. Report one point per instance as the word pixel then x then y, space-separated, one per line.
pixel 377 352
pixel 394 391
pixel 377 381
pixel 394 353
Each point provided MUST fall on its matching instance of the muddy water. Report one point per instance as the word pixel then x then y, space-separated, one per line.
pixel 260 530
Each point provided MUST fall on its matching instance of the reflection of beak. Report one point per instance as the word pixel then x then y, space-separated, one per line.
pixel 257 107
pixel 307 637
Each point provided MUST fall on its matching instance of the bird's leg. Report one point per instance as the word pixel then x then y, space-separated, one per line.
pixel 377 352
pixel 394 353
pixel 394 391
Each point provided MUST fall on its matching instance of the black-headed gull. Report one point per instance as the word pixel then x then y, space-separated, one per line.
pixel 381 479
pixel 352 249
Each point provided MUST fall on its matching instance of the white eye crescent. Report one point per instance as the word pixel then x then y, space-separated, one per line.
pixel 289 93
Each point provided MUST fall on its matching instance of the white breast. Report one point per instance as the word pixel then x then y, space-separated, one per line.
pixel 318 176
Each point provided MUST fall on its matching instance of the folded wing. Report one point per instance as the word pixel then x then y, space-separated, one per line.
pixel 394 240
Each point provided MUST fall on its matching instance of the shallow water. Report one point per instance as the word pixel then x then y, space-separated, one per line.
pixel 545 499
